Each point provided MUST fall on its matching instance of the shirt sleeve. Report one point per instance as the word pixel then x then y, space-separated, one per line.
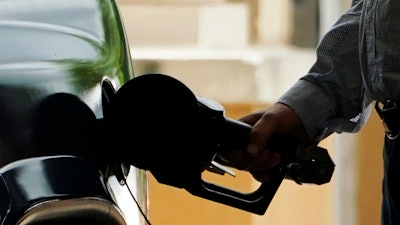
pixel 320 113
pixel 331 97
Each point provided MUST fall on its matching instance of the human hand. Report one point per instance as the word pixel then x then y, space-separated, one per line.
pixel 276 124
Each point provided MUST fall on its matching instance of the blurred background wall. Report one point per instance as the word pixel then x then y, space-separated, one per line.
pixel 245 54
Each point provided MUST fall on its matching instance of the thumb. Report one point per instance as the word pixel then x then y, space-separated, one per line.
pixel 252 118
pixel 260 134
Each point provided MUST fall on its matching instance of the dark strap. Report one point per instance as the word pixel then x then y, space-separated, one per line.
pixel 389 112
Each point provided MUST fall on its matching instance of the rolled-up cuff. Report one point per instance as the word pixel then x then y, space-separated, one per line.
pixel 313 106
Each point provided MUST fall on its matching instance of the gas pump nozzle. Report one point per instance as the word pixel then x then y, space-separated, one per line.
pixel 176 135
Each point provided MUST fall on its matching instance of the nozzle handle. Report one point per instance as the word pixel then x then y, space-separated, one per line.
pixel 255 202
pixel 235 135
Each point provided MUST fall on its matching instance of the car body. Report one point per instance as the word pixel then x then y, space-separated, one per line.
pixel 78 49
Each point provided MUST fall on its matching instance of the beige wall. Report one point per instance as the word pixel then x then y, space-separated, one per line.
pixel 186 23
pixel 370 170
